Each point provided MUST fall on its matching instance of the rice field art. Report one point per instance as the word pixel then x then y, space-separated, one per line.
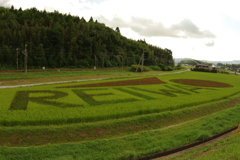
pixel 202 83
pixel 94 116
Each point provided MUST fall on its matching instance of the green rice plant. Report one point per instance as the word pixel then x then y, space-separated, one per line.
pixel 96 104
pixel 21 99
pixel 134 145
pixel 112 122
pixel 135 93
pixel 111 128
pixel 105 108
pixel 166 92
pixel 105 98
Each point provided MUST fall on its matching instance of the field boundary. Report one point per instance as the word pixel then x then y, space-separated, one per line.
pixel 82 80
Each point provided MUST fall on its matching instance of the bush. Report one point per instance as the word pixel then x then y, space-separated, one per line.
pixel 166 68
pixel 214 70
pixel 224 72
pixel 155 68
pixel 200 69
pixel 139 68
pixel 178 67
pixel 204 70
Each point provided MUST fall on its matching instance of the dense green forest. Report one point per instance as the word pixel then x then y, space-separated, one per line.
pixel 56 40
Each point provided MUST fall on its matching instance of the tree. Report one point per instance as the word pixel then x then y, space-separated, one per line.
pixel 91 19
pixel 118 30
pixel 192 62
pixel 12 8
pixel 62 40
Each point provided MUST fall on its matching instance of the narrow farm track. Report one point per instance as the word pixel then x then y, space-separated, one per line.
pixel 28 82
pixel 47 83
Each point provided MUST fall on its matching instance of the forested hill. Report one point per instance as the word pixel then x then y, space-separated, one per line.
pixel 56 40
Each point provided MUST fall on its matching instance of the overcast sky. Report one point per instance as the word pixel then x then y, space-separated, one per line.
pixel 198 29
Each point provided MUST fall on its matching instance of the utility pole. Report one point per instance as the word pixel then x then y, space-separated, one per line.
pixel 95 63
pixel 17 57
pixel 122 58
pixel 104 55
pixel 122 61
pixel 25 59
pixel 138 63
pixel 142 60
pixel 103 60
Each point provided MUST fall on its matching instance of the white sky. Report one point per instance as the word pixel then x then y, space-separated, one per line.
pixel 198 29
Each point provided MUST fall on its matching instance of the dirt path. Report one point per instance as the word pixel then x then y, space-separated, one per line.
pixel 44 83
pixel 56 80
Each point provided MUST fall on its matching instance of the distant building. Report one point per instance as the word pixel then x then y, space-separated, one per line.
pixel 205 66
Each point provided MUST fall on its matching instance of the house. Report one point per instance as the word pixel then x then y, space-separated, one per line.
pixel 205 66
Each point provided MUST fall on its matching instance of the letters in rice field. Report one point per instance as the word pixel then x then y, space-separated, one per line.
pixel 50 97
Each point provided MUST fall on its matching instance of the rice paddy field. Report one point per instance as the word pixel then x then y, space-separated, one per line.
pixel 117 118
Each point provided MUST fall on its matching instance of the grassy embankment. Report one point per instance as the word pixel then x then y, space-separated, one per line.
pixel 134 145
pixel 225 149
